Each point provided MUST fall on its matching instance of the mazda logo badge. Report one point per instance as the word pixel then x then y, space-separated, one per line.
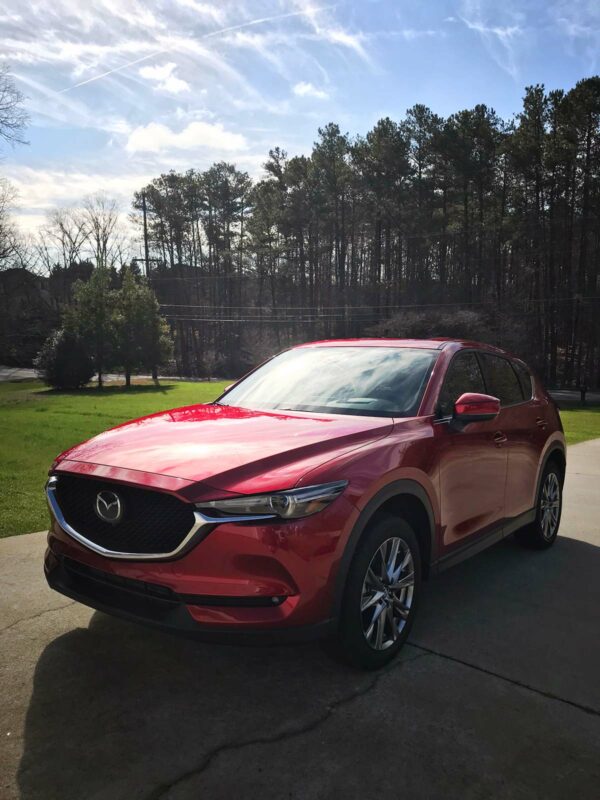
pixel 108 506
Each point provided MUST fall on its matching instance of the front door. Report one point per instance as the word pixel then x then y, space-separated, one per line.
pixel 472 461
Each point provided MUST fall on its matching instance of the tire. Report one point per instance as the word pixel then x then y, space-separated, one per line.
pixel 542 533
pixel 387 556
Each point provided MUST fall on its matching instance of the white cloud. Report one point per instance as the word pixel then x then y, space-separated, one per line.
pixel 204 10
pixel 40 190
pixel 501 41
pixel 503 33
pixel 165 79
pixel 578 23
pixel 155 137
pixel 62 110
pixel 29 223
pixel 306 89
pixel 325 28
pixel 410 34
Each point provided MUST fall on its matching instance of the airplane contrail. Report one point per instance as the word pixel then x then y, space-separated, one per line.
pixel 209 35
pixel 116 69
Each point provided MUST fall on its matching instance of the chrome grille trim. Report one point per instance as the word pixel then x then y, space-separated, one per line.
pixel 197 531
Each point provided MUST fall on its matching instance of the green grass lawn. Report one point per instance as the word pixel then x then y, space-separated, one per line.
pixel 37 423
pixel 581 424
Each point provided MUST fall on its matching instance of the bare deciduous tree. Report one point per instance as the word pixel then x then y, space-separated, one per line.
pixel 104 235
pixel 8 232
pixel 13 118
pixel 63 238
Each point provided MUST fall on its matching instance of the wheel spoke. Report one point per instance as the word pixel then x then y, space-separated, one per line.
pixel 375 580
pixel 401 608
pixel 376 615
pixel 403 565
pixel 404 582
pixel 369 601
pixel 392 622
pixel 380 630
pixel 391 560
pixel 383 564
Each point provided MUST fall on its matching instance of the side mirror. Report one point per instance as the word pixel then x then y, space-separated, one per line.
pixel 472 407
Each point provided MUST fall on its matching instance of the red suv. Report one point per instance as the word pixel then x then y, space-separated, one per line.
pixel 311 498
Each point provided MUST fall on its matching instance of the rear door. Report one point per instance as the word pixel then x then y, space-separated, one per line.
pixel 517 420
pixel 472 461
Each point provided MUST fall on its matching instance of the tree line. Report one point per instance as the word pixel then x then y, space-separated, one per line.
pixel 461 225
pixel 468 225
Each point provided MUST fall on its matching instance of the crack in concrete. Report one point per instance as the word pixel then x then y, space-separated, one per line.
pixel 513 681
pixel 161 791
pixel 35 616
pixel 282 736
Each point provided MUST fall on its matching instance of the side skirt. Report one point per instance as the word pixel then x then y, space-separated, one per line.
pixel 472 548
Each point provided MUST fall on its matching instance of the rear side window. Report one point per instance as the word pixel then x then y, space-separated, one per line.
pixel 463 376
pixel 524 379
pixel 501 380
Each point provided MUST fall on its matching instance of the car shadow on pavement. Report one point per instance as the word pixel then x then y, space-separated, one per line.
pixel 116 700
pixel 118 711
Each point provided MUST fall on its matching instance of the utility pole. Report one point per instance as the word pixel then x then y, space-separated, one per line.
pixel 146 255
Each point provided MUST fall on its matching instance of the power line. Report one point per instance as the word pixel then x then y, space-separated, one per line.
pixel 288 320
pixel 350 307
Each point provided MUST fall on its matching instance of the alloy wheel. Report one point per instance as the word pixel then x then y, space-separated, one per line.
pixel 387 593
pixel 550 505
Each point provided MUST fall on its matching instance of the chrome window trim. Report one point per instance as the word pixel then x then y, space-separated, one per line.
pixel 201 522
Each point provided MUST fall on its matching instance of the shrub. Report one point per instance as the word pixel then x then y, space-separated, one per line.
pixel 63 362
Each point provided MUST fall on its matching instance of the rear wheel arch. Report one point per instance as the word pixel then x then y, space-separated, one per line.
pixel 542 531
pixel 406 499
pixel 556 454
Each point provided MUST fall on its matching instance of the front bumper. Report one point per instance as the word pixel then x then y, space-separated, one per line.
pixel 167 613
pixel 242 583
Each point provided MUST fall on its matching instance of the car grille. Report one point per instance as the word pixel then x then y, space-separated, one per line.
pixel 152 522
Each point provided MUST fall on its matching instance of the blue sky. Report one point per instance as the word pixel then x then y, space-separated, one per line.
pixel 119 91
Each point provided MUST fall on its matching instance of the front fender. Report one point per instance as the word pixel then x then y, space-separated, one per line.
pixel 397 488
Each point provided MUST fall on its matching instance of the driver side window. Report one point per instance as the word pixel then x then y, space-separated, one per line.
pixel 463 376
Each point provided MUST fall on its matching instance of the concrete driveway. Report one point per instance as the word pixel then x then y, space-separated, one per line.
pixel 16 374
pixel 497 695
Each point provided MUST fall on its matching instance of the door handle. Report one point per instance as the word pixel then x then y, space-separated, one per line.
pixel 499 438
pixel 541 423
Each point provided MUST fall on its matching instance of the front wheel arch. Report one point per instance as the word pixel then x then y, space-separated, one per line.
pixel 403 498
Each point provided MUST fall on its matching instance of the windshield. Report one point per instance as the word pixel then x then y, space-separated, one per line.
pixel 365 381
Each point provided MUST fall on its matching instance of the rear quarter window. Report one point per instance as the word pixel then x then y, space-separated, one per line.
pixel 525 381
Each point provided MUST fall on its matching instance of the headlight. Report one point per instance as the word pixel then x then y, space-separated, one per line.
pixel 288 505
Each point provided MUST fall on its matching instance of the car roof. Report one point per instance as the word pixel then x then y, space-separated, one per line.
pixel 436 343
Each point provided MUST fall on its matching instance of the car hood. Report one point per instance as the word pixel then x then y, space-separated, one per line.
pixel 231 449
